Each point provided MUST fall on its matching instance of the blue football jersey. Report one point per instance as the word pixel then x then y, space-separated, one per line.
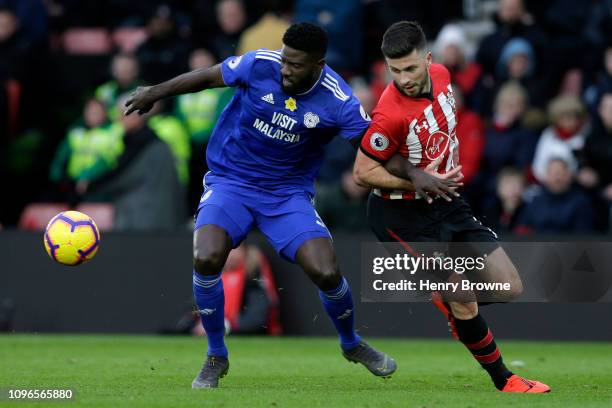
pixel 273 141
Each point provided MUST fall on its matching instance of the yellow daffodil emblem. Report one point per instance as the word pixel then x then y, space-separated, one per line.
pixel 291 104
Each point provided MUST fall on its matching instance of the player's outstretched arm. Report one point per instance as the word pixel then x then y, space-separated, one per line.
pixel 144 97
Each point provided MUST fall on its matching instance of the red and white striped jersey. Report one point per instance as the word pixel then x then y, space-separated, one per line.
pixel 420 128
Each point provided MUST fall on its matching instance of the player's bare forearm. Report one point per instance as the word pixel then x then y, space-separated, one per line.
pixel 399 166
pixel 189 82
pixel 143 98
pixel 370 173
pixel 423 181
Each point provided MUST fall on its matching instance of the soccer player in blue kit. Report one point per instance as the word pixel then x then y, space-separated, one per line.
pixel 263 156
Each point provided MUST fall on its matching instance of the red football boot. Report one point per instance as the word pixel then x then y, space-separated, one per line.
pixel 519 384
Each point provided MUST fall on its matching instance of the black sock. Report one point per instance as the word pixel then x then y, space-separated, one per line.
pixel 477 337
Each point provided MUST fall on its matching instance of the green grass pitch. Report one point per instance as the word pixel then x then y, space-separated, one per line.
pixel 152 371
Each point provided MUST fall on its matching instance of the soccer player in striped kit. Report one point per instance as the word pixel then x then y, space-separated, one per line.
pixel 416 117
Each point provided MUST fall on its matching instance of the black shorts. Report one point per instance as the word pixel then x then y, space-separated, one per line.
pixel 416 221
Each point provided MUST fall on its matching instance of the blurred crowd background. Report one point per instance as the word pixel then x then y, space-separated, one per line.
pixel 533 84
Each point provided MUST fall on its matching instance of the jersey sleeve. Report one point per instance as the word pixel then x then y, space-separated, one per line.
pixel 353 120
pixel 382 139
pixel 236 70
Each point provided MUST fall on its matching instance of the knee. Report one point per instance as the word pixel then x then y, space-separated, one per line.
pixel 208 262
pixel 464 311
pixel 503 270
pixel 516 288
pixel 326 277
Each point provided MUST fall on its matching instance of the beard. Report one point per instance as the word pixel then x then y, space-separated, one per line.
pixel 301 86
pixel 416 89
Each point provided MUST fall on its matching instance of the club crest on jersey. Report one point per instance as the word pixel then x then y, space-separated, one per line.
pixel 437 145
pixel 234 63
pixel 311 120
pixel 291 104
pixel 379 142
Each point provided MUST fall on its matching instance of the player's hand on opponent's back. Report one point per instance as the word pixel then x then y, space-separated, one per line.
pixel 140 101
pixel 430 181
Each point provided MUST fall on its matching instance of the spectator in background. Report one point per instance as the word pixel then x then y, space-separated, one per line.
pixel 25 71
pixel 199 112
pixel 572 83
pixel 25 106
pixel 144 187
pixel 16 75
pixel 597 170
pixel 512 21
pixel 12 64
pixel 431 15
pixel 603 83
pixel 10 42
pixel 565 136
pixel 503 216
pixel 598 30
pixel 507 142
pixel 595 174
pixel 342 205
pixel 124 71
pixel 340 201
pixel 89 151
pixel 343 22
pixel 33 22
pixel 559 207
pixel 268 31
pixel 172 131
pixel 380 79
pixel 164 54
pixel 231 17
pixel 517 62
pixel 453 50
pixel 66 14
pixel 470 131
pixel 363 92
pixel 566 49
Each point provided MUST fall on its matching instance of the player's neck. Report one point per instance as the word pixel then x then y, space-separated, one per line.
pixel 311 84
pixel 428 86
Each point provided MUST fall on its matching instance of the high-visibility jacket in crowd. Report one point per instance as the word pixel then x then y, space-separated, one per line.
pixel 200 111
pixel 88 153
pixel 171 130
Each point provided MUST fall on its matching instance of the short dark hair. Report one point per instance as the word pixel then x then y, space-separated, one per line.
pixel 306 37
pixel 402 38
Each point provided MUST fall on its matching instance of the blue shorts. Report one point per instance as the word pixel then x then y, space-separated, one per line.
pixel 286 221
